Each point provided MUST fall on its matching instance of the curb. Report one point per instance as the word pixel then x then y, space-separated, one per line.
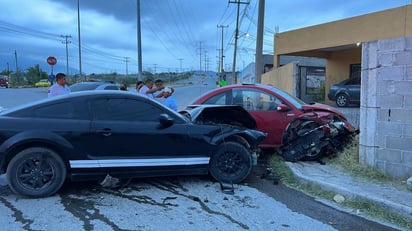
pixel 350 193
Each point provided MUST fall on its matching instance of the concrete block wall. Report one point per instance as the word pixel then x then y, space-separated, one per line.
pixel 386 106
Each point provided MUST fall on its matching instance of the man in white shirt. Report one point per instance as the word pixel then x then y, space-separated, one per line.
pixel 60 87
pixel 148 89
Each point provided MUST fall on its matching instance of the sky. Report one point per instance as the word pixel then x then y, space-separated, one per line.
pixel 176 35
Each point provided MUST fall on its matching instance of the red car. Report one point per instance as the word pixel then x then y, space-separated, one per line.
pixel 299 130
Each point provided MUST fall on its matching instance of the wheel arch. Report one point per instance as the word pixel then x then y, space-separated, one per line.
pixel 28 139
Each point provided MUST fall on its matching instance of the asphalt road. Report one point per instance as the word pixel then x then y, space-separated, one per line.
pixel 173 203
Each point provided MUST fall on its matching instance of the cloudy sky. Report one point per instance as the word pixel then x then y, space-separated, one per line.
pixel 176 34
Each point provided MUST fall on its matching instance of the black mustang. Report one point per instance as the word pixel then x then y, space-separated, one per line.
pixel 88 135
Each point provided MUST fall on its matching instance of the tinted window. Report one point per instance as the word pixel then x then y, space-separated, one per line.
pixel 111 87
pixel 65 110
pixel 353 81
pixel 125 110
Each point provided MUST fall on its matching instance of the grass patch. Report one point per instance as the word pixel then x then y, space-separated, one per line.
pixel 348 162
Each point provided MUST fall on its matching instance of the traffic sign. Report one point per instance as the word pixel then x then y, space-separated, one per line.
pixel 51 60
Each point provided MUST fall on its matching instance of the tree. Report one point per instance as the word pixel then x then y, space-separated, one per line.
pixel 34 74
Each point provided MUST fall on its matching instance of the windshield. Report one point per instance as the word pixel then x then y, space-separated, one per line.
pixel 292 99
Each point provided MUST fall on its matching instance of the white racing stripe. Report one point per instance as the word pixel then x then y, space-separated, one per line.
pixel 111 163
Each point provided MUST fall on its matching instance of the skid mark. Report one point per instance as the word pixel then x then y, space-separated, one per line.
pixel 86 211
pixel 17 214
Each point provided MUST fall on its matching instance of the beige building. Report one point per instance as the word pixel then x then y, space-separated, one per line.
pixel 339 42
pixel 378 47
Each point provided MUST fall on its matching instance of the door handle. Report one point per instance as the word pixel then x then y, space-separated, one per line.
pixel 105 132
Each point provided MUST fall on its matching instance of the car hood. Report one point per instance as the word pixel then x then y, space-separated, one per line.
pixel 220 114
pixel 321 107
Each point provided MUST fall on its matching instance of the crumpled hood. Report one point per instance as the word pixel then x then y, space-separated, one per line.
pixel 221 114
pixel 322 107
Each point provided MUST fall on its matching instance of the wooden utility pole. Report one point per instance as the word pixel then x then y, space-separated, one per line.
pixel 238 2
pixel 259 43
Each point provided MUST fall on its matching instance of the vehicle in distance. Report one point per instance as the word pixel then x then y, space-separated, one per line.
pixel 89 135
pixel 42 83
pixel 289 122
pixel 346 92
pixel 92 85
pixel 4 82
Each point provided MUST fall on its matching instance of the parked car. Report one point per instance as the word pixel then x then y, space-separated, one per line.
pixel 93 85
pixel 346 92
pixel 90 135
pixel 4 83
pixel 42 83
pixel 288 121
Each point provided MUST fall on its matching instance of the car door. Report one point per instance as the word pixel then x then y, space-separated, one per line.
pixel 263 107
pixel 353 86
pixel 126 133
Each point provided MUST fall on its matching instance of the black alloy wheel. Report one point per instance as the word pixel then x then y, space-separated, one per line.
pixel 36 172
pixel 231 163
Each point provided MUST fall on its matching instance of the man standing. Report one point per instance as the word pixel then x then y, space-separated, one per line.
pixel 169 101
pixel 147 89
pixel 60 87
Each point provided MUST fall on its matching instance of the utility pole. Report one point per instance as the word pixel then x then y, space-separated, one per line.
pixel 139 44
pixel 126 60
pixel 180 65
pixel 15 58
pixel 200 55
pixel 66 41
pixel 17 68
pixel 206 61
pixel 259 43
pixel 238 2
pixel 221 50
pixel 155 65
pixel 79 40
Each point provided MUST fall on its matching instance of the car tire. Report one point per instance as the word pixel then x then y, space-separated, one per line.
pixel 342 100
pixel 231 163
pixel 36 172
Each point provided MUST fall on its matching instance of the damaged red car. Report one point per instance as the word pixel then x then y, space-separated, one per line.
pixel 299 131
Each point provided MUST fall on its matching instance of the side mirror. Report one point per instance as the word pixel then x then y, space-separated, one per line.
pixel 165 121
pixel 282 107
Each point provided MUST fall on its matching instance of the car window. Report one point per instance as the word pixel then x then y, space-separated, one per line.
pixel 125 110
pixel 61 110
pixel 353 81
pixel 219 99
pixel 255 100
pixel 111 87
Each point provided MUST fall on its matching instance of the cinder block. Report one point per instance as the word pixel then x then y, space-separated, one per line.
pixel 389 155
pixel 394 44
pixel 390 101
pixel 385 59
pixel 385 87
pixel 391 73
pixel 408 42
pixel 399 142
pixel 367 126
pixel 401 115
pixel 402 58
pixel 407 157
pixel 369 58
pixel 398 170
pixel 390 128
pixel 403 87
pixel 408 74
pixel 408 102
